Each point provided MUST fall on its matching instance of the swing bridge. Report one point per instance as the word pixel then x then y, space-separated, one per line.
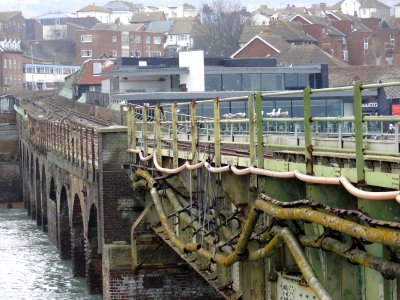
pixel 272 207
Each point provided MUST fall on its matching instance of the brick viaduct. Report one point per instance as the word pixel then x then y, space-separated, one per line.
pixel 75 189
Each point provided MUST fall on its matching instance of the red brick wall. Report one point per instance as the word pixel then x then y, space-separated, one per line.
pixel 256 48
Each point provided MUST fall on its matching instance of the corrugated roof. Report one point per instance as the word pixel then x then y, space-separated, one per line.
pixel 142 17
pixel 307 54
pixel 95 8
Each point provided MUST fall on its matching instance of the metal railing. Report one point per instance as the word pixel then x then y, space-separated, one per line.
pixel 357 135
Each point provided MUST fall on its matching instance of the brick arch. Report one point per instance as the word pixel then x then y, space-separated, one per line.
pixel 38 192
pixel 52 213
pixel 31 190
pixel 64 233
pixel 93 257
pixel 77 240
pixel 43 189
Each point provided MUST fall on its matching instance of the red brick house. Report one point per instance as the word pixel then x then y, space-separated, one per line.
pixel 330 39
pixel 117 40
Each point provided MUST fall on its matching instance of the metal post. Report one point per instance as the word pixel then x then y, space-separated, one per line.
pixel 144 130
pixel 217 133
pixel 252 130
pixel 194 131
pixel 260 138
pixel 340 137
pixel 358 122
pixel 157 116
pixel 307 130
pixel 174 136
pixel 129 125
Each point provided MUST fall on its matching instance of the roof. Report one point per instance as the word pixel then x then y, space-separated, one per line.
pixel 159 26
pixel 86 77
pixel 336 6
pixel 307 54
pixel 116 27
pixel 53 15
pixel 94 8
pixel 290 31
pixel 250 31
pixel 373 4
pixel 263 9
pixel 273 41
pixel 119 5
pixel 6 15
pixel 276 41
pixel 342 76
pixel 182 25
pixel 329 29
pixel 142 17
pixel 86 22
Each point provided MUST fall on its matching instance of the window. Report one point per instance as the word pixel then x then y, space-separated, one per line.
pixel 345 55
pixel 114 53
pixel 147 40
pixel 182 37
pixel 231 82
pixel 271 82
pixel 5 78
pixel 114 39
pixel 137 39
pixel 5 63
pixel 156 54
pixel 138 54
pixel 86 53
pixel 392 42
pixel 15 63
pixel 9 63
pixel 86 38
pixel 125 53
pixel 365 45
pixel 251 82
pixel 157 40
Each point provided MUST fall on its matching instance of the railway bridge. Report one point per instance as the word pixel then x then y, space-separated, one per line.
pixel 241 205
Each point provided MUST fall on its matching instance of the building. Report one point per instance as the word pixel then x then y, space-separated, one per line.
pixel 11 65
pixel 54 25
pixel 100 13
pixel 147 17
pixel 361 8
pixel 191 72
pixel 13 24
pixel 180 35
pixel 120 10
pixel 118 40
pixel 46 76
pixel 262 15
pixel 262 45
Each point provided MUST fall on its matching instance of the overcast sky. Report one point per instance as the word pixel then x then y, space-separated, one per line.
pixel 34 8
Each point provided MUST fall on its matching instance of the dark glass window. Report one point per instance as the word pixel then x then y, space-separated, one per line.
pixel 291 82
pixel 212 82
pixel 251 82
pixel 231 82
pixel 271 82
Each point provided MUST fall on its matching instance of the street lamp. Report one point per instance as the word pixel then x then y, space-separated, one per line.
pixel 35 43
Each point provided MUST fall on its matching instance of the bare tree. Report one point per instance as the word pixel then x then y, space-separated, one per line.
pixel 221 24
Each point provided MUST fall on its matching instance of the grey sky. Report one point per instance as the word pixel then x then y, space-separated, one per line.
pixel 34 8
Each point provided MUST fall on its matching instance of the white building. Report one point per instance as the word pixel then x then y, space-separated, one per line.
pixel 100 13
pixel 46 77
pixel 362 8
pixel 181 11
pixel 54 25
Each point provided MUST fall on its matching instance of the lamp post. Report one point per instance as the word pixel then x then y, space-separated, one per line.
pixel 35 43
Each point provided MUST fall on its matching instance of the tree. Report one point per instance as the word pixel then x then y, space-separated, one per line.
pixel 221 24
